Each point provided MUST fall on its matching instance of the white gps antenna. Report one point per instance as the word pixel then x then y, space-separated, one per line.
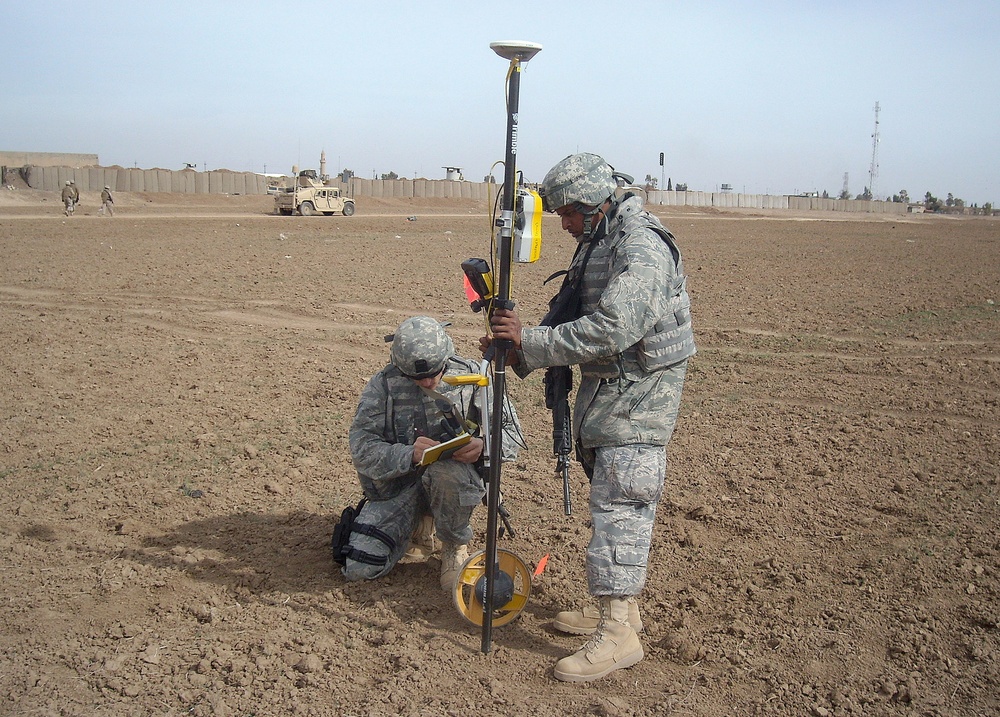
pixel 516 49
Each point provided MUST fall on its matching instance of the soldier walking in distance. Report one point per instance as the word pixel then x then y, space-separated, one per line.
pixel 70 197
pixel 107 202
pixel 626 322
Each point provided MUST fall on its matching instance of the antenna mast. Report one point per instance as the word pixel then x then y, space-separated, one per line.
pixel 873 171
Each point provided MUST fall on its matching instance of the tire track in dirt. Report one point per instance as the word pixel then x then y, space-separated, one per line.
pixel 269 313
pixel 859 410
pixel 865 342
pixel 792 374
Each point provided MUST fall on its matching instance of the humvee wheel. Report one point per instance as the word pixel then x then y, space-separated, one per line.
pixel 349 209
pixel 307 209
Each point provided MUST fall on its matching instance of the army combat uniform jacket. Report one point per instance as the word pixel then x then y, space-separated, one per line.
pixel 634 321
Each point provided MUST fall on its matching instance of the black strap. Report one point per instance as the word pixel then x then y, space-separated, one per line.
pixel 360 556
pixel 373 532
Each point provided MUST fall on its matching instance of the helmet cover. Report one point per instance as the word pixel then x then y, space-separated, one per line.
pixel 421 347
pixel 583 178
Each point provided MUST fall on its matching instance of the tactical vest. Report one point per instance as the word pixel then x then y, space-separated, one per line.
pixel 410 412
pixel 671 338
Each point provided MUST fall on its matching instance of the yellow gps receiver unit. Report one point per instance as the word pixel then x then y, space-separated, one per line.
pixel 527 226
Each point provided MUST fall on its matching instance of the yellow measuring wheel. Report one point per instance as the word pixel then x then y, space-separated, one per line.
pixel 512 585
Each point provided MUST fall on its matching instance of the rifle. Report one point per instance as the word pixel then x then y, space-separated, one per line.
pixel 563 308
pixel 558 383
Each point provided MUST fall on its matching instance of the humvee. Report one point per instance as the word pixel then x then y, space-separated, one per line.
pixel 310 198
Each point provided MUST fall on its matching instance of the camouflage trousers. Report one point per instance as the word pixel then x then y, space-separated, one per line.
pixel 627 485
pixel 448 490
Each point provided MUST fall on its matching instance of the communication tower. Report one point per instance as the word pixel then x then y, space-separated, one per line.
pixel 873 171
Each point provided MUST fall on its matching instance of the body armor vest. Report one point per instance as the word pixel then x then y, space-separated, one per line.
pixel 671 339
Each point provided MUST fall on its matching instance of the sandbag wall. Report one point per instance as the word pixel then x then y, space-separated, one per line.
pixel 120 179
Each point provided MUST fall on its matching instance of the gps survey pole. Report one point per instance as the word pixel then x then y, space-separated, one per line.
pixel 517 53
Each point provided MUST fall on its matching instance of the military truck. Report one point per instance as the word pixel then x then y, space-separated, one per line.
pixel 310 197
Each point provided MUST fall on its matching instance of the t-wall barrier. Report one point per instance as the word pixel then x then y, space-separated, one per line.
pixel 189 181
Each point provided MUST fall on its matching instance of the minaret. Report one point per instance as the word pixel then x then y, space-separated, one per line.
pixel 322 164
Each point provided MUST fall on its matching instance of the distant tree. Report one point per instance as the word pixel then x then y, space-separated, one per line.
pixel 390 175
pixel 950 201
pixel 650 181
pixel 865 195
pixel 844 194
pixel 682 187
pixel 932 203
pixel 670 184
pixel 988 209
pixel 826 194
pixel 901 197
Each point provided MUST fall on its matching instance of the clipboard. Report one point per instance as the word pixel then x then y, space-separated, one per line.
pixel 443 450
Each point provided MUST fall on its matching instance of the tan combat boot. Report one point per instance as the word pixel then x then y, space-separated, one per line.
pixel 614 646
pixel 584 622
pixel 423 542
pixel 452 558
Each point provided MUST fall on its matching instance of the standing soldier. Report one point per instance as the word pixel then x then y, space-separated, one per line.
pixel 627 325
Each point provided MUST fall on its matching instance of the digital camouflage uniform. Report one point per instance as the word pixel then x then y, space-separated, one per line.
pixel 393 410
pixel 632 341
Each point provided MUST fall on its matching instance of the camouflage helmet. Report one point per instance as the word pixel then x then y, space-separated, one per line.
pixel 579 178
pixel 421 347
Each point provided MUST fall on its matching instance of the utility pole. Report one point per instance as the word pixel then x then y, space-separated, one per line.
pixel 873 170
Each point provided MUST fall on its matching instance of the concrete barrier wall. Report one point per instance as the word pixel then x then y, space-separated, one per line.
pixel 414 188
pixel 52 178
pixel 731 200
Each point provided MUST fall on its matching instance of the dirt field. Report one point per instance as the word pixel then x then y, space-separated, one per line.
pixel 177 386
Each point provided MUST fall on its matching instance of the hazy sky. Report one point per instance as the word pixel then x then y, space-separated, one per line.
pixel 775 97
